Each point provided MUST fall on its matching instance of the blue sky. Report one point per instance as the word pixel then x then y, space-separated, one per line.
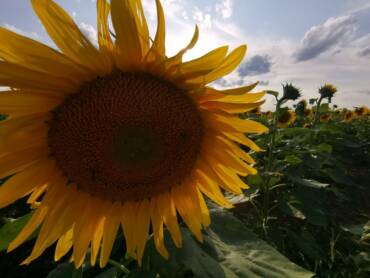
pixel 304 42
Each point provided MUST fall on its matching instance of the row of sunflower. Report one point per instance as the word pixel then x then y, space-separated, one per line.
pixel 303 115
pixel 311 191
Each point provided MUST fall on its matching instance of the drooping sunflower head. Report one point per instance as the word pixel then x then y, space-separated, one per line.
pixel 362 111
pixel 290 92
pixel 327 91
pixel 117 136
pixel 286 118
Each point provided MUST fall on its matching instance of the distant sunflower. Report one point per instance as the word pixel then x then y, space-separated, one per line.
pixel 256 110
pixel 325 117
pixel 362 111
pixel 308 112
pixel 286 118
pixel 117 136
pixel 307 125
pixel 349 116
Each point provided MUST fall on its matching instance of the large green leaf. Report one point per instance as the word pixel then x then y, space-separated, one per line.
pixel 65 270
pixel 11 229
pixel 230 249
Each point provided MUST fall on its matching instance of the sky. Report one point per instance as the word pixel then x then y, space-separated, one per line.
pixel 308 43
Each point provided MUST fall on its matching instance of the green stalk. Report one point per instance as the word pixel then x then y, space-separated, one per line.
pixel 317 113
pixel 119 266
pixel 266 187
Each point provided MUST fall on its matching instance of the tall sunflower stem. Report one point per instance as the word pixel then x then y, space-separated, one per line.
pixel 317 112
pixel 119 266
pixel 266 185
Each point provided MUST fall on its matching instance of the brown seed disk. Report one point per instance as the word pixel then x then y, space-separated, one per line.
pixel 126 136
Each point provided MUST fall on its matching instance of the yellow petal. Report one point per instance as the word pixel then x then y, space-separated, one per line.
pixel 167 209
pixel 242 139
pixel 157 224
pixel 246 98
pixel 97 237
pixel 104 38
pixel 14 162
pixel 210 188
pixel 230 123
pixel 16 76
pixel 132 36
pixel 67 36
pixel 202 65
pixel 171 63
pixel 35 56
pixel 35 135
pixel 128 220
pixel 187 210
pixel 231 108
pixel 23 183
pixel 158 49
pixel 228 65
pixel 142 228
pixel 16 103
pixel 64 245
pixel 110 231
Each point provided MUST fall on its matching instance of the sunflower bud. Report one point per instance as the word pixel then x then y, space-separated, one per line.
pixel 327 91
pixel 290 92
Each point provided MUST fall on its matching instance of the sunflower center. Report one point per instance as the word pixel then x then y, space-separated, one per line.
pixel 126 136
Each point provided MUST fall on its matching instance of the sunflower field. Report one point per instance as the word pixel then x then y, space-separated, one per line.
pixel 119 161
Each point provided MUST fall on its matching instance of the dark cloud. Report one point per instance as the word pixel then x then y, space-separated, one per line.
pixel 321 38
pixel 258 64
pixel 364 52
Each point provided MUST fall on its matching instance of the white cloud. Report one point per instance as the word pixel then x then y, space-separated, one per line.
pixel 15 29
pixel 89 31
pixel 318 39
pixel 225 8
pixel 203 19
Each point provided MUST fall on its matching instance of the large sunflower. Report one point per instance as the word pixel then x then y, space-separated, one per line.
pixel 120 136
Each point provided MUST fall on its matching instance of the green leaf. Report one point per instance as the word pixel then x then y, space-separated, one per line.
pixel 11 229
pixel 293 159
pixel 324 107
pixel 339 177
pixel 326 148
pixel 309 183
pixel 229 250
pixel 65 270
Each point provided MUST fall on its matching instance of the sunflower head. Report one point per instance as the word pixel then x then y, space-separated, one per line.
pixel 327 91
pixel 307 125
pixel 308 112
pixel 290 92
pixel 349 116
pixel 286 118
pixel 119 136
pixel 325 117
pixel 362 111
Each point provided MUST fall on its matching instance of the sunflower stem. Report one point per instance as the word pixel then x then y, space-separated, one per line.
pixel 317 112
pixel 266 186
pixel 119 266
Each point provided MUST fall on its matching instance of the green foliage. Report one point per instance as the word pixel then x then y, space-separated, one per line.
pixel 11 229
